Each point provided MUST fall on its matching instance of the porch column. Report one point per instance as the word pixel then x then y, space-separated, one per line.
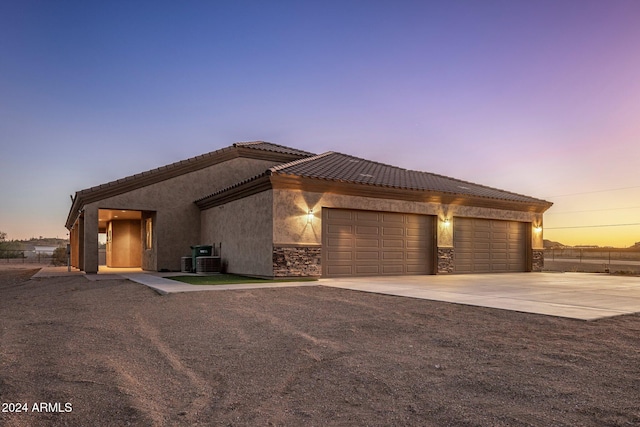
pixel 90 240
pixel 73 239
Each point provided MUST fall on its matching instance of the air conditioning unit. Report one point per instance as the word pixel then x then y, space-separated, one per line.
pixel 186 266
pixel 208 264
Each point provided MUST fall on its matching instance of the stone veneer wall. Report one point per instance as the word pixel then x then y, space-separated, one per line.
pixel 445 260
pixel 297 261
pixel 537 260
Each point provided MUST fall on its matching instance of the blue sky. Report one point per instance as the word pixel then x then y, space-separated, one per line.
pixel 536 97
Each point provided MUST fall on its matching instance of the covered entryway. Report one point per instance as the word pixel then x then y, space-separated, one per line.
pixel 124 237
pixel 371 243
pixel 489 246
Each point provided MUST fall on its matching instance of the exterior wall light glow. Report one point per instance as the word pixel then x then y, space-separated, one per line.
pixel 446 222
pixel 537 229
pixel 310 216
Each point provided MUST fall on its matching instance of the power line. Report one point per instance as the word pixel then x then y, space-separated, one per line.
pixel 592 192
pixel 592 226
pixel 592 210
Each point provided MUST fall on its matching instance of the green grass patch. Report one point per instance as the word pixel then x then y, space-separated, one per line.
pixel 233 279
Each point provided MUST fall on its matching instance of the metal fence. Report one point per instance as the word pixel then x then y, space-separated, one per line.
pixel 597 260
pixel 12 256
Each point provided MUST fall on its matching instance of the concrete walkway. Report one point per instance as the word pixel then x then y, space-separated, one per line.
pixel 573 295
pixel 166 286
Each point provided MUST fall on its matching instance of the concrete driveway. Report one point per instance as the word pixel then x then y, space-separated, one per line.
pixel 574 295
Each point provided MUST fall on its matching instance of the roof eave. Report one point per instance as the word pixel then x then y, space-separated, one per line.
pixel 288 181
pixel 247 188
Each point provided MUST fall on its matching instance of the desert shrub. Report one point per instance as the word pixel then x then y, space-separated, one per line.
pixel 59 256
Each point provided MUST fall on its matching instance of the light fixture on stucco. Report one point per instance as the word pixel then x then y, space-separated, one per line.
pixel 446 222
pixel 310 216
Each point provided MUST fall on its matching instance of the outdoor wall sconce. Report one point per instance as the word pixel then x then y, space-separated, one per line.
pixel 446 222
pixel 537 228
pixel 310 216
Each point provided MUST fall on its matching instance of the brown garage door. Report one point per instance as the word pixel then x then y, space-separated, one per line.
pixel 370 243
pixel 489 246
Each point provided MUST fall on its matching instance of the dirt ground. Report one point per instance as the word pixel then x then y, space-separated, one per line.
pixel 113 353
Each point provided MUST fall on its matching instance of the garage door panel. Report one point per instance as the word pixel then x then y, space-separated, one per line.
pixel 465 257
pixel 367 269
pixel 367 230
pixel 393 269
pixel 367 256
pixel 414 269
pixel 392 243
pixel 392 255
pixel 378 243
pixel 392 231
pixel 464 247
pixel 340 270
pixel 367 216
pixel 337 214
pixel 482 245
pixel 464 268
pixel 339 243
pixel 416 244
pixel 389 217
pixel 414 256
pixel 367 243
pixel 414 232
pixel 340 229
pixel 340 256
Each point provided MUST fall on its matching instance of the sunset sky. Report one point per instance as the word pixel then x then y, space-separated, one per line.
pixel 536 97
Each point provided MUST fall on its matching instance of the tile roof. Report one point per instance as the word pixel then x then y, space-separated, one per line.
pixel 268 146
pixel 280 153
pixel 200 161
pixel 340 167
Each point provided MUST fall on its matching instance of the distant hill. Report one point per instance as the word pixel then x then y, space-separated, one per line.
pixel 550 244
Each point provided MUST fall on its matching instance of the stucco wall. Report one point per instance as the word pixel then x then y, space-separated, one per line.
pixel 177 219
pixel 291 207
pixel 245 229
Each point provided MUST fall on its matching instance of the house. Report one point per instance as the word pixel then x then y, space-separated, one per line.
pixel 280 211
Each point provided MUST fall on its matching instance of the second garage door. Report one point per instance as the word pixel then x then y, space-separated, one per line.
pixel 370 243
pixel 489 246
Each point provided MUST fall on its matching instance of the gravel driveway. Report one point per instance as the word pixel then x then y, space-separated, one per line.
pixel 112 352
